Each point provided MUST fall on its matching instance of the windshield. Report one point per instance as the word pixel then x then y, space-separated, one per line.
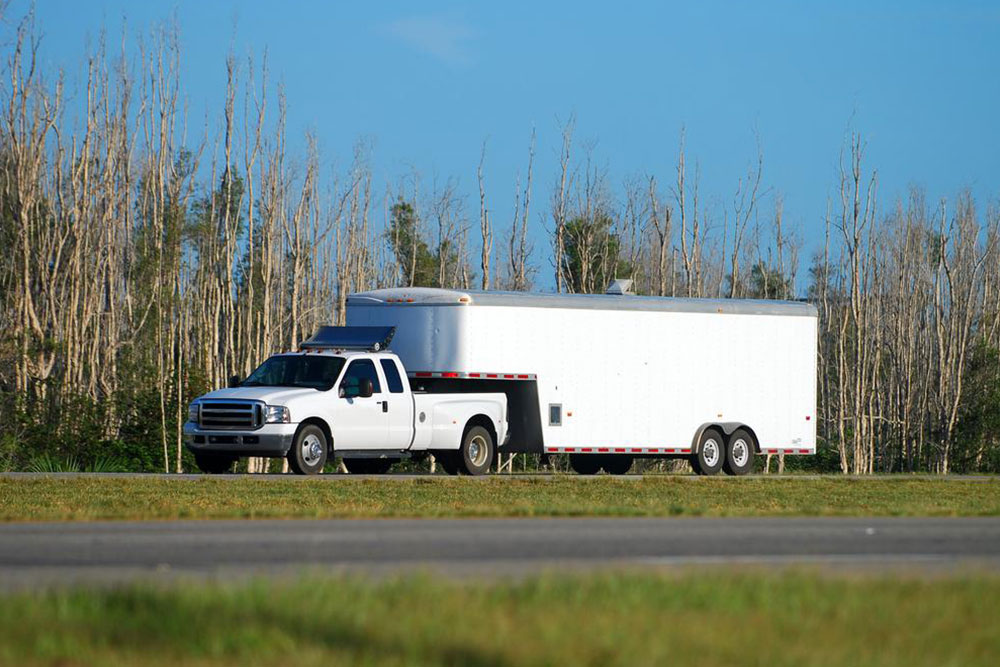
pixel 299 370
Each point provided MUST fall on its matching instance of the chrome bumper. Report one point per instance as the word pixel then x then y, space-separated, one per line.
pixel 268 440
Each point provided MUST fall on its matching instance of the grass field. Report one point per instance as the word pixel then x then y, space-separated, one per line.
pixel 624 619
pixel 88 498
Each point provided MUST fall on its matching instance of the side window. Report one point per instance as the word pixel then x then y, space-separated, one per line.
pixel 360 368
pixel 392 376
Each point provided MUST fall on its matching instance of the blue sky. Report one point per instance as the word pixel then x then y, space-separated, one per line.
pixel 430 81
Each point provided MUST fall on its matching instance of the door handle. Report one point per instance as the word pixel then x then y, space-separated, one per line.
pixel 385 406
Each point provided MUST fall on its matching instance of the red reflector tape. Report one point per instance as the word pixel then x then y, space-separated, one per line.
pixel 449 375
pixel 422 375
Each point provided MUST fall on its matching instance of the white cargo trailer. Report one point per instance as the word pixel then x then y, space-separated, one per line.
pixel 608 378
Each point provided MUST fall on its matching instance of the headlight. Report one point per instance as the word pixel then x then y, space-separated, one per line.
pixel 276 414
pixel 193 412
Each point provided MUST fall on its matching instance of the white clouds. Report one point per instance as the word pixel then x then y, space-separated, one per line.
pixel 444 39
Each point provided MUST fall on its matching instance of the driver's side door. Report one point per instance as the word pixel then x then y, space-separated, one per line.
pixel 359 422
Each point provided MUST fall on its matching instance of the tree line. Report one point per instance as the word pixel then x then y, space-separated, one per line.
pixel 144 259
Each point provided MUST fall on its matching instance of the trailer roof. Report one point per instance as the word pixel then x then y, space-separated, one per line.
pixel 433 296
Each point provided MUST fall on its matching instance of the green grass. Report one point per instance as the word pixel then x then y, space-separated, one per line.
pixel 697 617
pixel 86 498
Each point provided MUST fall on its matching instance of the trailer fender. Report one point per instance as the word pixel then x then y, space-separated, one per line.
pixel 727 429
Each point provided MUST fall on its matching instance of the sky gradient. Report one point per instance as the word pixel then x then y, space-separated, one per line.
pixel 429 82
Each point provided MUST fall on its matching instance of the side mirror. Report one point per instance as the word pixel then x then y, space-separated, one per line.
pixel 366 388
pixel 234 381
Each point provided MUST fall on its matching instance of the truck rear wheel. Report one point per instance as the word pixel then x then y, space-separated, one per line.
pixel 616 464
pixel 214 464
pixel 585 464
pixel 475 456
pixel 739 453
pixel 308 453
pixel 711 453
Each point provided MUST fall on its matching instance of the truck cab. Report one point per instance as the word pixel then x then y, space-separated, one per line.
pixel 343 395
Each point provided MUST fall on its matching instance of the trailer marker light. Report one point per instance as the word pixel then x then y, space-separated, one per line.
pixel 808 417
pixel 409 301
pixel 463 299
pixel 569 414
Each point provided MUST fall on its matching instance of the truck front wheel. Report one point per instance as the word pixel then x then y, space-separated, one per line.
pixel 214 464
pixel 308 453
pixel 475 456
pixel 711 453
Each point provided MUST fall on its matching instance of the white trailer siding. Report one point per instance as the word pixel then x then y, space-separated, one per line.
pixel 633 375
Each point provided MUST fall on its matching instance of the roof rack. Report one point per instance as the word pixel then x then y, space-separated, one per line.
pixel 369 339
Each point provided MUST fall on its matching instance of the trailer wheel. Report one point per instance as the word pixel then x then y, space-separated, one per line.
pixel 711 453
pixel 739 453
pixel 307 455
pixel 585 464
pixel 475 456
pixel 616 464
pixel 368 466
pixel 214 464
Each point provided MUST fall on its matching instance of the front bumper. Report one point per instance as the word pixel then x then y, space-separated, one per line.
pixel 268 440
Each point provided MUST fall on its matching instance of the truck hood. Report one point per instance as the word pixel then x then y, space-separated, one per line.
pixel 270 395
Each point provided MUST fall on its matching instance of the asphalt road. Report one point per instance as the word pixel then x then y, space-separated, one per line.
pixel 97 552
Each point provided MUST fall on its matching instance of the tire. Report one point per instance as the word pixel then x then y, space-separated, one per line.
pixel 214 464
pixel 368 466
pixel 740 448
pixel 585 464
pixel 309 450
pixel 475 456
pixel 448 461
pixel 616 464
pixel 711 453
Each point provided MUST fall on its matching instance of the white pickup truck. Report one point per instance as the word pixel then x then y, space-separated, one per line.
pixel 343 395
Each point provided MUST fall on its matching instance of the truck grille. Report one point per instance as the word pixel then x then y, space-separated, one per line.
pixel 237 415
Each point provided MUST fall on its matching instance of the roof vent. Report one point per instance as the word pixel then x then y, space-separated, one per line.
pixel 619 286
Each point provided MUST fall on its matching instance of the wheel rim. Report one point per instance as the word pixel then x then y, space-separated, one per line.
pixel 478 451
pixel 741 453
pixel 710 452
pixel 312 450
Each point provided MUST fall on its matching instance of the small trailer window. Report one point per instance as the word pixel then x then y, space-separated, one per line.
pixel 555 414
